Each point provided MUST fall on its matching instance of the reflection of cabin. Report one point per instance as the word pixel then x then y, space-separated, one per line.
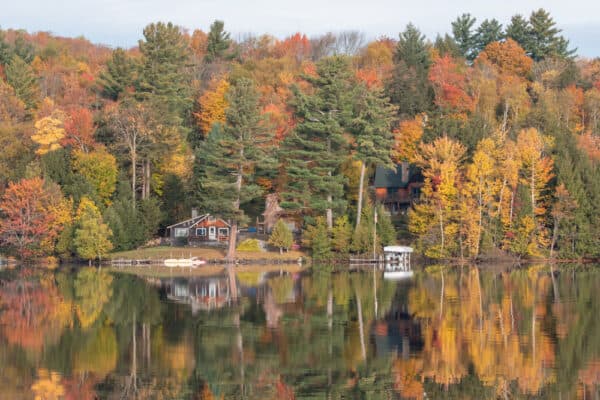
pixel 398 189
pixel 273 213
pixel 398 332
pixel 202 294
pixel 199 228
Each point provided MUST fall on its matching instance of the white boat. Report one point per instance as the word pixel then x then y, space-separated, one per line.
pixel 184 262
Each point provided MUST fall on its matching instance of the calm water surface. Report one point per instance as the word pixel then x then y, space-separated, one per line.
pixel 445 334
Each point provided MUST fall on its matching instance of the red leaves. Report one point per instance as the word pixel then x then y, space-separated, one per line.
pixel 449 81
pixel 79 126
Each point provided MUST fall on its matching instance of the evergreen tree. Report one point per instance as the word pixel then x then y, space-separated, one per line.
pixel 6 53
pixel 22 48
pixel 317 238
pixel 281 236
pixel 120 75
pixel 489 31
pixel 22 78
pixel 518 30
pixel 92 235
pixel 408 87
pixel 462 30
pixel 313 154
pixel 230 156
pixel 545 40
pixel 371 128
pixel 446 46
pixel 163 78
pixel 218 43
pixel 386 233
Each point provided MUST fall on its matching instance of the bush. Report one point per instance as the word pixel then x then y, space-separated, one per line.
pixel 249 245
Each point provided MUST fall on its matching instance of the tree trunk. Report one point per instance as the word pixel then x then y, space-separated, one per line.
pixel 236 207
pixel 554 236
pixel 232 242
pixel 133 172
pixel 360 193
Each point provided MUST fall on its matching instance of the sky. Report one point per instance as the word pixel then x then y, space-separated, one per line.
pixel 120 22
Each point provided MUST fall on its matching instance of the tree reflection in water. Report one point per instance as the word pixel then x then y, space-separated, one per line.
pixel 463 333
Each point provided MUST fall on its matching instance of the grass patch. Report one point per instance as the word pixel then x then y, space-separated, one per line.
pixel 164 252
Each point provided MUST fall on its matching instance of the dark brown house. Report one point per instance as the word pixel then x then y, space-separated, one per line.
pixel 200 228
pixel 398 189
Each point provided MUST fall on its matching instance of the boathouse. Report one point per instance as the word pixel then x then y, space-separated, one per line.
pixel 199 229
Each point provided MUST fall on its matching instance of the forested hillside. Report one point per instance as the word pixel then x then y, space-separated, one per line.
pixel 103 148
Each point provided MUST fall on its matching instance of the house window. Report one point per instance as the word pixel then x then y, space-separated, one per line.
pixel 211 218
pixel 415 192
pixel 223 231
pixel 200 231
pixel 181 232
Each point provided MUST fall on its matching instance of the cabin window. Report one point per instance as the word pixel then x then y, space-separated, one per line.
pixel 415 192
pixel 200 231
pixel 211 218
pixel 223 231
pixel 181 232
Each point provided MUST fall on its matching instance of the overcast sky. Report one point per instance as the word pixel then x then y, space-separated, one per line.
pixel 120 22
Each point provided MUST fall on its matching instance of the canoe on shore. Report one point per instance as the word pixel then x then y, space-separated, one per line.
pixel 183 262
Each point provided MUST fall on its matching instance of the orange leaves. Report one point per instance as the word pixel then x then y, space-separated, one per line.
pixel 590 144
pixel 280 118
pixel 212 105
pixel 449 81
pixel 296 47
pixel 79 127
pixel 407 138
pixel 27 219
pixel 508 57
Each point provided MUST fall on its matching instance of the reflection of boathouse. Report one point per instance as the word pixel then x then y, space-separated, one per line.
pixel 201 293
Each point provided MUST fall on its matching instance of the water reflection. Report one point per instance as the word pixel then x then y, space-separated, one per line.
pixel 447 333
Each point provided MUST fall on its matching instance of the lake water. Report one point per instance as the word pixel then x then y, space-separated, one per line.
pixel 447 333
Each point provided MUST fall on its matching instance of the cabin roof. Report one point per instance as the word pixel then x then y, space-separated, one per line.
pixel 190 223
pixel 392 178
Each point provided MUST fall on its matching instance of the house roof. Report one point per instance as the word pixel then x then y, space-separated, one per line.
pixel 390 178
pixel 189 223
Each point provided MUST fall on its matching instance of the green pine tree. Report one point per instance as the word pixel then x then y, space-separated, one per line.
pixel 545 40
pixel 408 86
pixel 386 233
pixel 316 237
pixel 462 30
pixel 119 76
pixel 371 127
pixel 313 154
pixel 163 78
pixel 228 159
pixel 22 78
pixel 281 236
pixel 92 235
pixel 6 52
pixel 489 31
pixel 519 31
pixel 218 43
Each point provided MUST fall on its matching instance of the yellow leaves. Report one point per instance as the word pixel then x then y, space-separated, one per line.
pixel 212 106
pixel 48 386
pixel 49 131
pixel 100 169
